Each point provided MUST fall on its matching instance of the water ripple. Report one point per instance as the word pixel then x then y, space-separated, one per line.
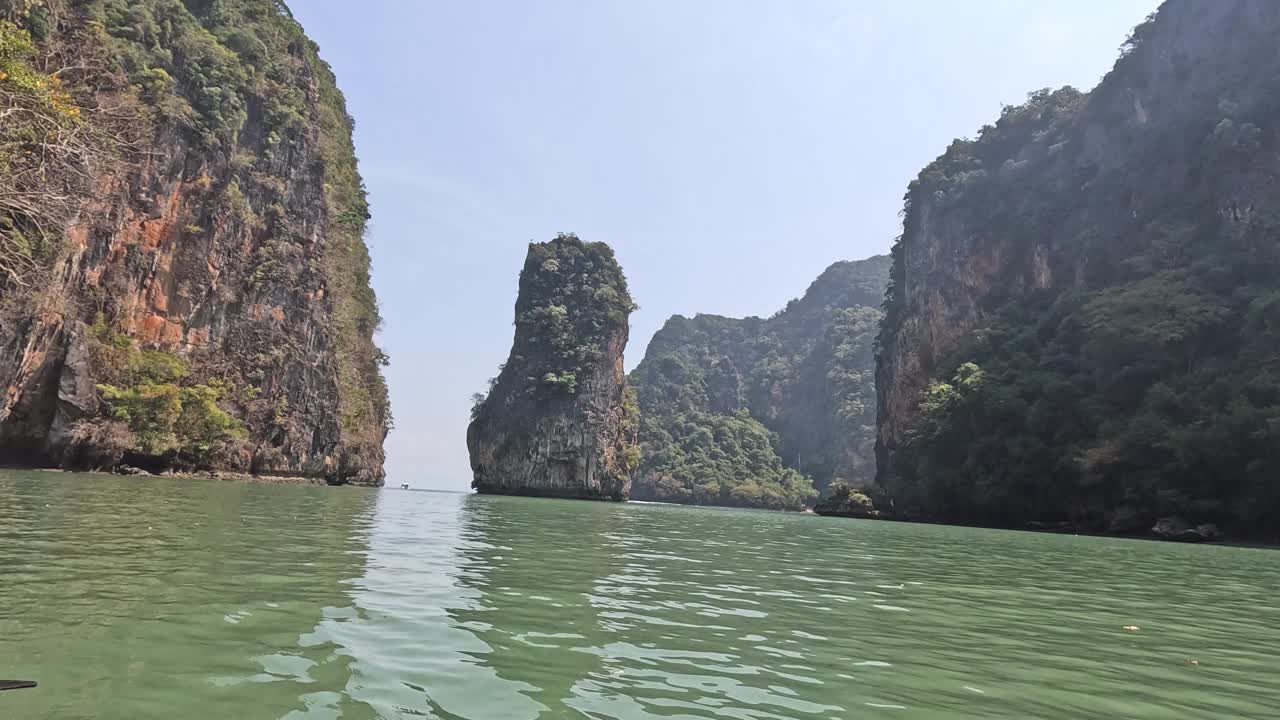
pixel 156 598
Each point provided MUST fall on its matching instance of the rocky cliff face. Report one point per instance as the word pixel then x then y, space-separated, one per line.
pixel 756 411
pixel 189 285
pixel 1069 285
pixel 559 420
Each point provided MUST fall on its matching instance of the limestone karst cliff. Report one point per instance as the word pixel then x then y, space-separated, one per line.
pixel 559 419
pixel 1080 325
pixel 184 282
pixel 757 412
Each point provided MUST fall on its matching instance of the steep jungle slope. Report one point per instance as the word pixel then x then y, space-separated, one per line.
pixel 184 282
pixel 1082 315
pixel 754 412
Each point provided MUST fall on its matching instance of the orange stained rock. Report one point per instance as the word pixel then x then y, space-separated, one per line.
pixel 159 297
pixel 198 337
pixel 151 328
pixel 172 333
pixel 154 232
pixel 78 233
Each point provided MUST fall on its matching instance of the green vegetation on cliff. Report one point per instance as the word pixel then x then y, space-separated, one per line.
pixel 1160 396
pixel 160 410
pixel 709 459
pixel 754 412
pixel 1126 362
pixel 573 301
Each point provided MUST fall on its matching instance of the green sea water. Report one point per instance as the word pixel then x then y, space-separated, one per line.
pixel 159 598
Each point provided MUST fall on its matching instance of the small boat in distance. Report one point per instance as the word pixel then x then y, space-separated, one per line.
pixel 404 486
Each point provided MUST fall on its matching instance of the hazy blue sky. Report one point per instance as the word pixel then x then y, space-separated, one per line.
pixel 729 150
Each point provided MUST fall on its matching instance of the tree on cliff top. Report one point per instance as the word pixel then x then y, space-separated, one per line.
pixel 573 299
